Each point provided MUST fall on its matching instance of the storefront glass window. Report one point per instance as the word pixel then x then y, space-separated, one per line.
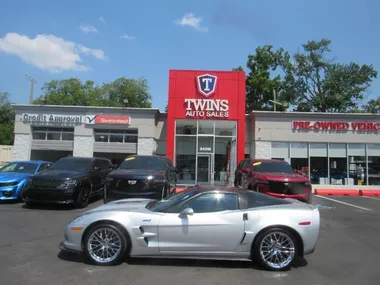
pixel 222 158
pixel 185 159
pixel 280 150
pixel 318 163
pixel 225 128
pixel 373 152
pixel 206 127
pixel 53 134
pixel 338 163
pixel 186 127
pixel 116 136
pixel 357 163
pixel 299 157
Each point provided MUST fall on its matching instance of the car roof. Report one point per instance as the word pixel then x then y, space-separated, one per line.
pixel 31 161
pixel 267 160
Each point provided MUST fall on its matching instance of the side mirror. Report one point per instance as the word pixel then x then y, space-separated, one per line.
pixel 186 212
pixel 245 170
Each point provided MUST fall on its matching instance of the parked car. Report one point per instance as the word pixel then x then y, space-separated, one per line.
pixel 13 176
pixel 141 176
pixel 71 180
pixel 200 222
pixel 273 177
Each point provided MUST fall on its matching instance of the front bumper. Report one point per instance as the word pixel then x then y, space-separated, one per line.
pixel 69 247
pixel 48 196
pixel 8 193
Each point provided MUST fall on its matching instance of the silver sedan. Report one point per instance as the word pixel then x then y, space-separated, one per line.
pixel 199 223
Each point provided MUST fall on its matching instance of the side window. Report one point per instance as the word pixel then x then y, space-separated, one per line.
pixel 246 163
pixel 44 167
pixel 255 200
pixel 105 164
pixel 212 202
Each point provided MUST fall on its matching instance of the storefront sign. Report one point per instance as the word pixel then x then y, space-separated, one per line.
pixel 108 120
pixel 210 108
pixel 51 118
pixel 206 84
pixel 336 126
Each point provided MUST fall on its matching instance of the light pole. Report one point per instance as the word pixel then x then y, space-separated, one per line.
pixel 275 102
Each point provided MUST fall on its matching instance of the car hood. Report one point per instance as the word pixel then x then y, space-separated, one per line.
pixel 279 176
pixel 58 174
pixel 135 173
pixel 12 176
pixel 125 205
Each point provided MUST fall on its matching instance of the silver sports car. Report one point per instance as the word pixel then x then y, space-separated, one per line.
pixel 199 223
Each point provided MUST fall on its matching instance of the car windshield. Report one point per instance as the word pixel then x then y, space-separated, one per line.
pixel 143 162
pixel 72 164
pixel 167 203
pixel 273 167
pixel 20 167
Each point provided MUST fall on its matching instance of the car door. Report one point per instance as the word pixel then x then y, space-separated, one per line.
pixel 106 167
pixel 216 225
pixel 95 176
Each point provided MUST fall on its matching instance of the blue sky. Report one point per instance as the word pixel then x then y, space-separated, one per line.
pixel 219 35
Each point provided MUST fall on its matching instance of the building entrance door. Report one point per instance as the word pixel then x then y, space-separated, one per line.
pixel 205 169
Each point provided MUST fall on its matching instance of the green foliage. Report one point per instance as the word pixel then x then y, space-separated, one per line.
pixel 73 92
pixel 7 119
pixel 307 80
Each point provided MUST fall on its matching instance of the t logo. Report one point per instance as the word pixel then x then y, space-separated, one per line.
pixel 206 84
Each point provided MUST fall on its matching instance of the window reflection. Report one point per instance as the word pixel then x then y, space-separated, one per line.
pixel 186 127
pixel 225 128
pixel 222 153
pixel 185 159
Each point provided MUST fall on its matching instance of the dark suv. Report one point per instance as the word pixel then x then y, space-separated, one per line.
pixel 70 180
pixel 141 176
pixel 273 177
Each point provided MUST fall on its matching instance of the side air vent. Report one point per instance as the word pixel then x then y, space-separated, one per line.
pixel 141 230
pixel 146 240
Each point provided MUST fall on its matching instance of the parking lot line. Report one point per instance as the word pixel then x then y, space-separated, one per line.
pixel 373 198
pixel 344 203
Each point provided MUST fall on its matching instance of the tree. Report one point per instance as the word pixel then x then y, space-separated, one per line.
pixel 123 92
pixel 324 86
pixel 7 120
pixel 261 84
pixel 307 81
pixel 372 106
pixel 166 108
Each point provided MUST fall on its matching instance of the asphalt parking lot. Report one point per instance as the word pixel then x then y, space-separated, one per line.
pixel 348 253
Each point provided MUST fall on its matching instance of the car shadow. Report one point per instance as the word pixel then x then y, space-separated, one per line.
pixel 78 258
pixel 57 207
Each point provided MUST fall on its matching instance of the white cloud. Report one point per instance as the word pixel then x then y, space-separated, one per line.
pixel 88 29
pixel 190 20
pixel 126 37
pixel 48 52
pixel 101 19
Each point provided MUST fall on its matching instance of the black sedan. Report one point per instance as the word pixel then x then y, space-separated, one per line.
pixel 141 176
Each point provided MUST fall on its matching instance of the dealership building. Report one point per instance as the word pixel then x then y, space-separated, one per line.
pixel 206 133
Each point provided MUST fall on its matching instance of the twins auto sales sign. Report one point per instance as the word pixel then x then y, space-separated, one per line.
pixel 206 107
pixel 101 119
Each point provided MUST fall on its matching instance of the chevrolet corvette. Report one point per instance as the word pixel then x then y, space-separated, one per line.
pixel 202 222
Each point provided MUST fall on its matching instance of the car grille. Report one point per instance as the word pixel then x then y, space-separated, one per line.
pixel 130 185
pixel 291 188
pixel 44 194
pixel 46 183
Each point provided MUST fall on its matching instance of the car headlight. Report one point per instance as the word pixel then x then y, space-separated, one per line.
pixel 79 218
pixel 68 183
pixel 10 183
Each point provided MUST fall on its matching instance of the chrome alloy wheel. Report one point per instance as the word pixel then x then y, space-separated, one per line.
pixel 277 250
pixel 104 245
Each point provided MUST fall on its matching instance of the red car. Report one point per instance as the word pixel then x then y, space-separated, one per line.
pixel 273 177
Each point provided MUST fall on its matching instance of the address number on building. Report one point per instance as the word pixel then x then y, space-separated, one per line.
pixel 205 148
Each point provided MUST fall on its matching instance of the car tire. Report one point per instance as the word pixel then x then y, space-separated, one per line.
pixel 119 245
pixel 83 197
pixel 263 246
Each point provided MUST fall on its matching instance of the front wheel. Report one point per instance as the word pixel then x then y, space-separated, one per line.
pixel 275 249
pixel 105 245
pixel 83 197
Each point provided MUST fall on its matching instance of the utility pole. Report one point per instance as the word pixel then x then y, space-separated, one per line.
pixel 32 82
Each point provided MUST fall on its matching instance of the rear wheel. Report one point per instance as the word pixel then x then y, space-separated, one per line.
pixel 275 249
pixel 105 245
